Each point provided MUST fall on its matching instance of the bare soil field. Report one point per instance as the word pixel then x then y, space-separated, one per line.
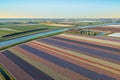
pixel 108 28
pixel 8 29
pixel 60 25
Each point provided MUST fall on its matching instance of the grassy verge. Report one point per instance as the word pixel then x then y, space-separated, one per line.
pixel 2 77
pixel 3 48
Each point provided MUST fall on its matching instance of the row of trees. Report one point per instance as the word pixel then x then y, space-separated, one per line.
pixel 82 32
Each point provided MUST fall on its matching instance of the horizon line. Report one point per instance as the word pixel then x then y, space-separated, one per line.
pixel 55 18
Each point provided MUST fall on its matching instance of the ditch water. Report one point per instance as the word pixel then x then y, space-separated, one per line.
pixel 101 34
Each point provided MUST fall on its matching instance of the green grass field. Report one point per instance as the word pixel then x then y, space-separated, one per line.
pixel 22 27
pixel 13 28
pixel 4 32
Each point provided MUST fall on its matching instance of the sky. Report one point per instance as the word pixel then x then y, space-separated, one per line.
pixel 59 8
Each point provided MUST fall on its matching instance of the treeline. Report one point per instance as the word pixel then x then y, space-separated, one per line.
pixel 82 32
pixel 17 33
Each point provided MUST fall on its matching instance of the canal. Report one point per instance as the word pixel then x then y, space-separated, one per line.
pixel 25 38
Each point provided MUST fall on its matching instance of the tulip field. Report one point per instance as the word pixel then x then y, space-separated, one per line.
pixel 64 57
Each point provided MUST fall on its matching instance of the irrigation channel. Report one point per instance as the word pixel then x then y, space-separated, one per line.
pixel 26 38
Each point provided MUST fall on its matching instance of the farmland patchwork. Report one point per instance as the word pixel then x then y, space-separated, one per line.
pixel 64 57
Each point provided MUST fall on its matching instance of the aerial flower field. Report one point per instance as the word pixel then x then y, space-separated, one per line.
pixel 64 57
